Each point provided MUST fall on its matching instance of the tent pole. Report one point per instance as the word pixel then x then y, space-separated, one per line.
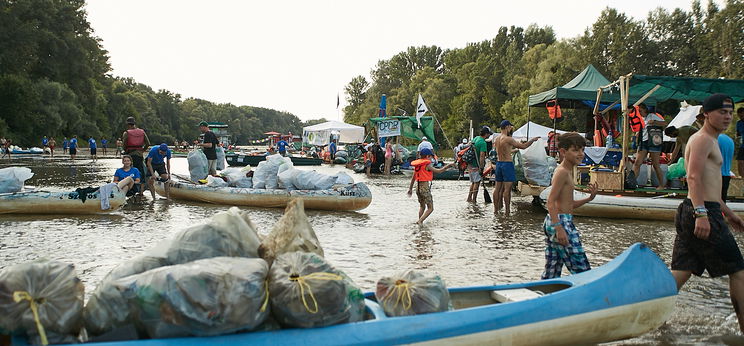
pixel 626 127
pixel 528 119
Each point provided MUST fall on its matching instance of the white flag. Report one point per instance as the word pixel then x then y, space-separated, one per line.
pixel 421 109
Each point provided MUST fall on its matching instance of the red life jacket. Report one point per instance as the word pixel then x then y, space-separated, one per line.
pixel 636 122
pixel 135 139
pixel 554 110
pixel 420 172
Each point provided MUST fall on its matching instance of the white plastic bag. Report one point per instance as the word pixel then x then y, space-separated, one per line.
pixel 216 182
pixel 312 180
pixel 233 174
pixel 198 165
pixel 536 164
pixel 13 178
pixel 288 178
pixel 220 164
pixel 266 173
pixel 246 183
pixel 343 179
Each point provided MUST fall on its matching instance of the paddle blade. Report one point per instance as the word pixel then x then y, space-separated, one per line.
pixel 486 195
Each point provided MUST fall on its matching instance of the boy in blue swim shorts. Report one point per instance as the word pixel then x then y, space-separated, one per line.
pixel 562 240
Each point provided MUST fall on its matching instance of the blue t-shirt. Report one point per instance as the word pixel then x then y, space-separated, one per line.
pixel 73 143
pixel 104 142
pixel 282 145
pixel 332 147
pixel 740 131
pixel 92 143
pixel 158 159
pixel 45 140
pixel 66 143
pixel 726 144
pixel 133 172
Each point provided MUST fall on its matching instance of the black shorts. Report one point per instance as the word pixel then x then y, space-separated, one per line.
pixel 719 254
pixel 133 191
pixel 73 151
pixel 740 154
pixel 160 168
pixel 93 151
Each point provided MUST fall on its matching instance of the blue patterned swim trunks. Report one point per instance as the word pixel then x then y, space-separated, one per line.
pixel 556 255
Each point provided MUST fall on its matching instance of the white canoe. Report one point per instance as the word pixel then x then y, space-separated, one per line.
pixel 61 202
pixel 631 207
pixel 339 197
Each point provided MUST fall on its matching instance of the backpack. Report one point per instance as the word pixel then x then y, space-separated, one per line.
pixel 466 156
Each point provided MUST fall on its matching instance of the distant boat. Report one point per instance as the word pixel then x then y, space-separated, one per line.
pixel 61 202
pixel 253 160
pixel 30 151
pixel 627 297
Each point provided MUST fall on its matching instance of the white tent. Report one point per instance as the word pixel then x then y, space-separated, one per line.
pixel 685 117
pixel 320 134
pixel 536 130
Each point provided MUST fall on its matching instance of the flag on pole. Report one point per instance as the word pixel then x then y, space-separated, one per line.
pixel 338 100
pixel 421 109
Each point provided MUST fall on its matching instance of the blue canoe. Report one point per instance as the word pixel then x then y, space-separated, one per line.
pixel 629 296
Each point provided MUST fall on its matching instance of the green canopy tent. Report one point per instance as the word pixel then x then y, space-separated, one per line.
pixel 409 127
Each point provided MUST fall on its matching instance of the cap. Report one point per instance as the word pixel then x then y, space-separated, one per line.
pixel 130 120
pixel 423 138
pixel 163 147
pixel 486 130
pixel 204 123
pixel 505 123
pixel 426 152
pixel 464 140
pixel 716 101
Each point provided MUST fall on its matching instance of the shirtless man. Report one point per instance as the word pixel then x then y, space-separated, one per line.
pixel 703 240
pixel 505 173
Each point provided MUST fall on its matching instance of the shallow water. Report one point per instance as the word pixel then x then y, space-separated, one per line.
pixel 463 242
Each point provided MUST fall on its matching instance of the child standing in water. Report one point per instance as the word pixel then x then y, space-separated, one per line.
pixel 562 241
pixel 424 174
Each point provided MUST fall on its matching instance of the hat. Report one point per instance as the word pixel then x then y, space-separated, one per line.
pixel 716 101
pixel 486 130
pixel 130 121
pixel 464 141
pixel 163 147
pixel 505 123
pixel 426 152
pixel 423 138
pixel 204 123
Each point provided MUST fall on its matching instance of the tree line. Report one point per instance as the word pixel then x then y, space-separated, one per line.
pixel 491 80
pixel 55 80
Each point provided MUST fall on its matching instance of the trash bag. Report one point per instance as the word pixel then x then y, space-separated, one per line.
pixel 13 178
pixel 342 154
pixel 220 163
pixel 233 174
pixel 412 292
pixel 518 163
pixel 288 178
pixel 57 294
pixel 312 180
pixel 266 173
pixel 201 298
pixel 198 165
pixel 259 176
pixel 291 233
pixel 536 164
pixel 230 233
pixel 216 181
pixel 677 170
pixel 306 292
pixel 343 179
pixel 246 183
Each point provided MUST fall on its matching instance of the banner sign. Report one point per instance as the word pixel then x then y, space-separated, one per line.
pixel 388 128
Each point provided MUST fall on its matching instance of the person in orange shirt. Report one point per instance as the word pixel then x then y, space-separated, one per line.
pixel 424 174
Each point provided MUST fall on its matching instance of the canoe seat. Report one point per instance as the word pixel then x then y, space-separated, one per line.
pixel 514 295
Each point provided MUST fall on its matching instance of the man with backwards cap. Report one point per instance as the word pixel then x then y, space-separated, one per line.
pixel 505 172
pixel 703 240
pixel 475 169
pixel 158 160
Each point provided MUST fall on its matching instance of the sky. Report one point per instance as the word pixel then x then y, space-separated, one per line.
pixel 297 56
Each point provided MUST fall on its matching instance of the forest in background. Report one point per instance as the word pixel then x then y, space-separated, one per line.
pixel 489 81
pixel 55 80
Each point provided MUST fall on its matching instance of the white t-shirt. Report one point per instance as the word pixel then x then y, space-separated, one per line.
pixel 649 117
pixel 425 144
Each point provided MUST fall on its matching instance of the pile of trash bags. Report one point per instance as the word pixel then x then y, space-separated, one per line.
pixel 278 172
pixel 13 178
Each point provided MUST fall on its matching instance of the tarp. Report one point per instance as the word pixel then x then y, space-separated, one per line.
pixel 320 134
pixel 536 130
pixel 686 88
pixel 409 127
pixel 685 117
pixel 584 87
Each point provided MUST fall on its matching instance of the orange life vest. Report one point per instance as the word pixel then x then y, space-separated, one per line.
pixel 420 173
pixel 554 110
pixel 636 122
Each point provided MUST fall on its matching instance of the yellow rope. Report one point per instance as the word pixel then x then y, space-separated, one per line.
pixel 402 291
pixel 19 296
pixel 266 300
pixel 314 276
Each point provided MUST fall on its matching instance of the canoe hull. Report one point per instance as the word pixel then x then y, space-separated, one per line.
pixel 45 202
pixel 345 198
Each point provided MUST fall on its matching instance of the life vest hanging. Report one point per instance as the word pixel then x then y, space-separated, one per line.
pixel 635 120
pixel 554 110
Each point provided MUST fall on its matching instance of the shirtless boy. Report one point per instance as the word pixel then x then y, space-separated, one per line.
pixel 505 173
pixel 562 241
pixel 703 240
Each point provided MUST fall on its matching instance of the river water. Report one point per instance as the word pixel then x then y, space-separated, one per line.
pixel 463 242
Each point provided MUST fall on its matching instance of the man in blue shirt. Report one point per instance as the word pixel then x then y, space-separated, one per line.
pixel 44 142
pixel 158 160
pixel 740 140
pixel 332 148
pixel 92 145
pixel 104 144
pixel 726 145
pixel 73 147
pixel 282 146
